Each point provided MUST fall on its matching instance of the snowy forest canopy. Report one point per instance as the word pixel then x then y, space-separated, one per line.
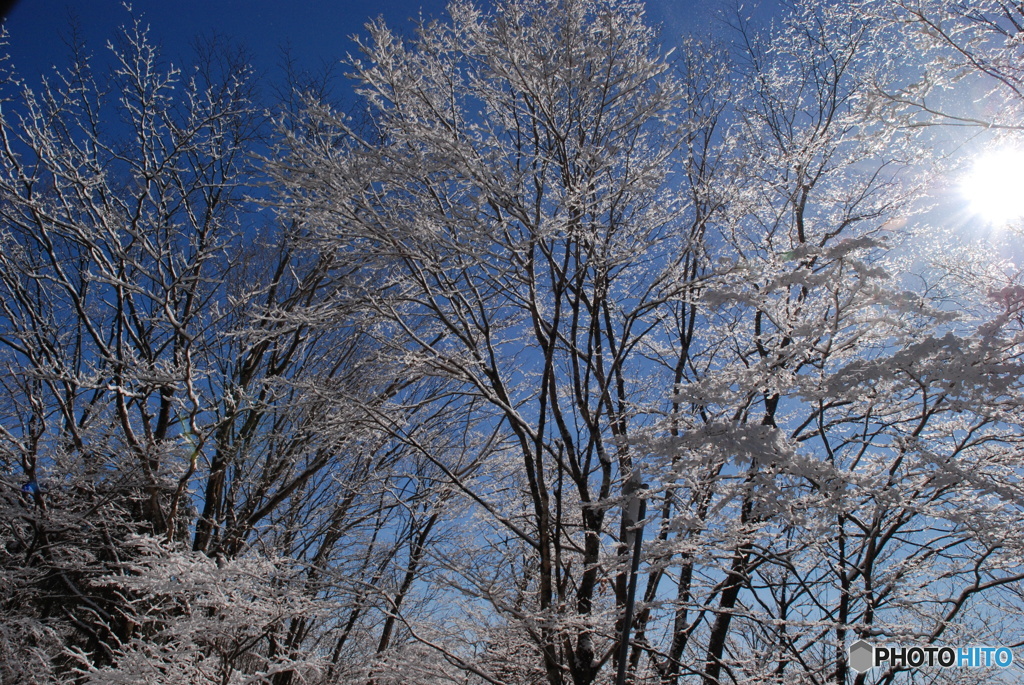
pixel 297 394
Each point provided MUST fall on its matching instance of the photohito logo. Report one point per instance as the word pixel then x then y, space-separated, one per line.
pixel 864 656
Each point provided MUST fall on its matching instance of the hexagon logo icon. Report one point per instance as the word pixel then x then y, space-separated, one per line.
pixel 862 656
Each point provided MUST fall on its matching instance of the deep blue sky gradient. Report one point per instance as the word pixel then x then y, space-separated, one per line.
pixel 315 31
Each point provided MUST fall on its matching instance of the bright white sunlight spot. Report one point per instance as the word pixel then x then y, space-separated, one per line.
pixel 994 184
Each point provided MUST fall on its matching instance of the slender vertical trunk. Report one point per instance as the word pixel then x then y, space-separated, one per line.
pixel 736 579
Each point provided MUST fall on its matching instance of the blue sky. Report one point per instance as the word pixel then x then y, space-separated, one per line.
pixel 316 30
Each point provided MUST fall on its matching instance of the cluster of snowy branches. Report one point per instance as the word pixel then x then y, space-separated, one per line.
pixel 293 396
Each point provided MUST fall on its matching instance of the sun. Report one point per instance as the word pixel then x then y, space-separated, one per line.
pixel 994 187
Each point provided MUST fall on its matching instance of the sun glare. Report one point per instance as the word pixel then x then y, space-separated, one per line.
pixel 994 187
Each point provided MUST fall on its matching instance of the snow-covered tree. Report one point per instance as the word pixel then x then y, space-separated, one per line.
pixel 835 476
pixel 159 377
pixel 519 206
pixel 563 227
